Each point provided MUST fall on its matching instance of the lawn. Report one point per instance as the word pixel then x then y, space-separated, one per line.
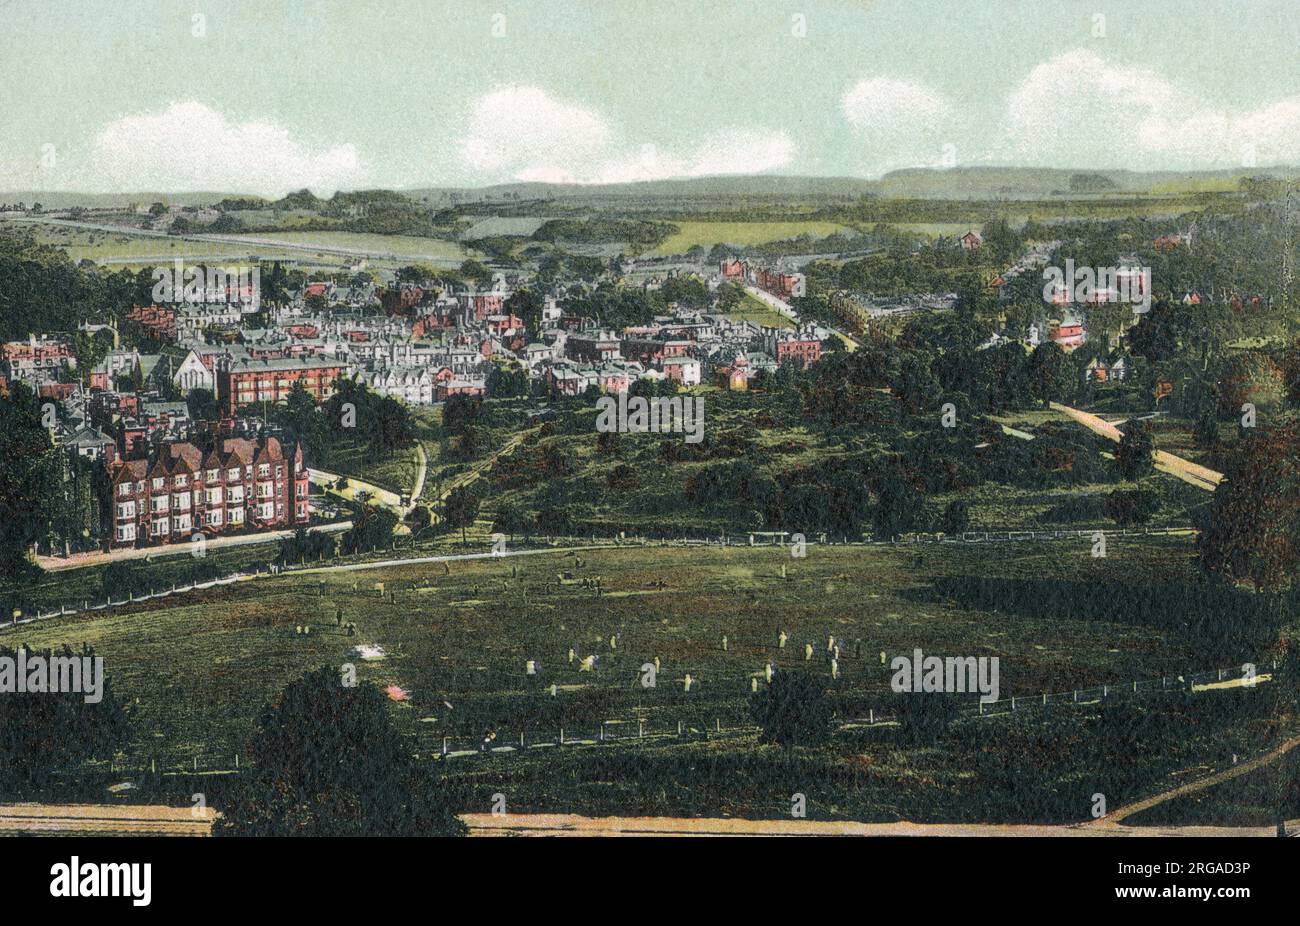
pixel 740 234
pixel 404 247
pixel 202 664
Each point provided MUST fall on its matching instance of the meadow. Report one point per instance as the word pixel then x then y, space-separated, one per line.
pixel 457 636
pixel 450 641
pixel 741 234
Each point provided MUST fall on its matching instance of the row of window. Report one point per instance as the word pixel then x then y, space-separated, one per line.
pixel 216 518
pixel 181 480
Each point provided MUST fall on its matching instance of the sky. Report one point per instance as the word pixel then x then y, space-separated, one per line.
pixel 265 97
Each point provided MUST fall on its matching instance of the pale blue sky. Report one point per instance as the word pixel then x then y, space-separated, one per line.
pixel 265 96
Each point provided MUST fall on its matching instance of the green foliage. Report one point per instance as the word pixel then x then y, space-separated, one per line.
pixel 42 733
pixel 1134 458
pixel 1253 529
pixel 29 480
pixel 1130 507
pixel 372 529
pixel 460 508
pixel 793 711
pixel 328 762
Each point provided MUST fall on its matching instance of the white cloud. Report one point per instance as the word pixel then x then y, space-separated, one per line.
pixel 523 128
pixel 1080 110
pixel 522 133
pixel 190 146
pixel 898 123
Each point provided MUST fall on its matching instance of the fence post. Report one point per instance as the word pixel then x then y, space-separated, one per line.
pixel 871 716
pixel 640 728
pixel 444 745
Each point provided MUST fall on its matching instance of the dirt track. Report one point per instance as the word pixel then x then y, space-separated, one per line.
pixel 1192 473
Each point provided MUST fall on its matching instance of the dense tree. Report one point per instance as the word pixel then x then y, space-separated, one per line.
pixel 460 509
pixel 44 732
pixel 1050 377
pixel 1135 455
pixel 29 480
pixel 1253 528
pixel 327 761
pixel 372 529
pixel 792 711
pixel 1129 507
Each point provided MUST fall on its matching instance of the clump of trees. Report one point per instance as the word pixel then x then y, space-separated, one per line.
pixel 1252 532
pixel 327 761
pixel 792 711
pixel 46 732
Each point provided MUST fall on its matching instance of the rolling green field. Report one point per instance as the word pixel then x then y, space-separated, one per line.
pixel 400 246
pixel 455 638
pixel 741 234
pixel 204 663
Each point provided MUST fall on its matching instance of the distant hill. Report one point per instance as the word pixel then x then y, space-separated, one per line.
pixel 694 188
pixel 1042 182
pixel 51 200
pixel 1005 183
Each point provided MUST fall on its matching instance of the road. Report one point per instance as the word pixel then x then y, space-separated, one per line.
pixel 486 824
pixel 104 820
pixel 1192 473
pixel 1116 817
pixel 784 308
pixel 79 560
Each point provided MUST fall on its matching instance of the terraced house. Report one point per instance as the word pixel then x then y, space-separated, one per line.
pixel 247 382
pixel 178 491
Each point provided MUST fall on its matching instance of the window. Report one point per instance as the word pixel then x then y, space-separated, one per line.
pixel 301 490
pixel 159 504
pixel 181 522
pixel 126 510
pixel 236 515
pixel 266 511
pixel 182 480
pixel 214 496
pixel 264 470
pixel 232 473
pixel 181 501
pixel 126 532
pixel 124 489
pixel 160 527
pixel 213 475
pixel 214 518
pixel 265 490
pixel 158 483
pixel 236 495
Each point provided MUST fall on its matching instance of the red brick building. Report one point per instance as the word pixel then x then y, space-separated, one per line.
pixel 157 320
pixel 245 485
pixel 248 382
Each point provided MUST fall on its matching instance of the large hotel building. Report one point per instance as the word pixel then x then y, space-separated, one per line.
pixel 240 484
